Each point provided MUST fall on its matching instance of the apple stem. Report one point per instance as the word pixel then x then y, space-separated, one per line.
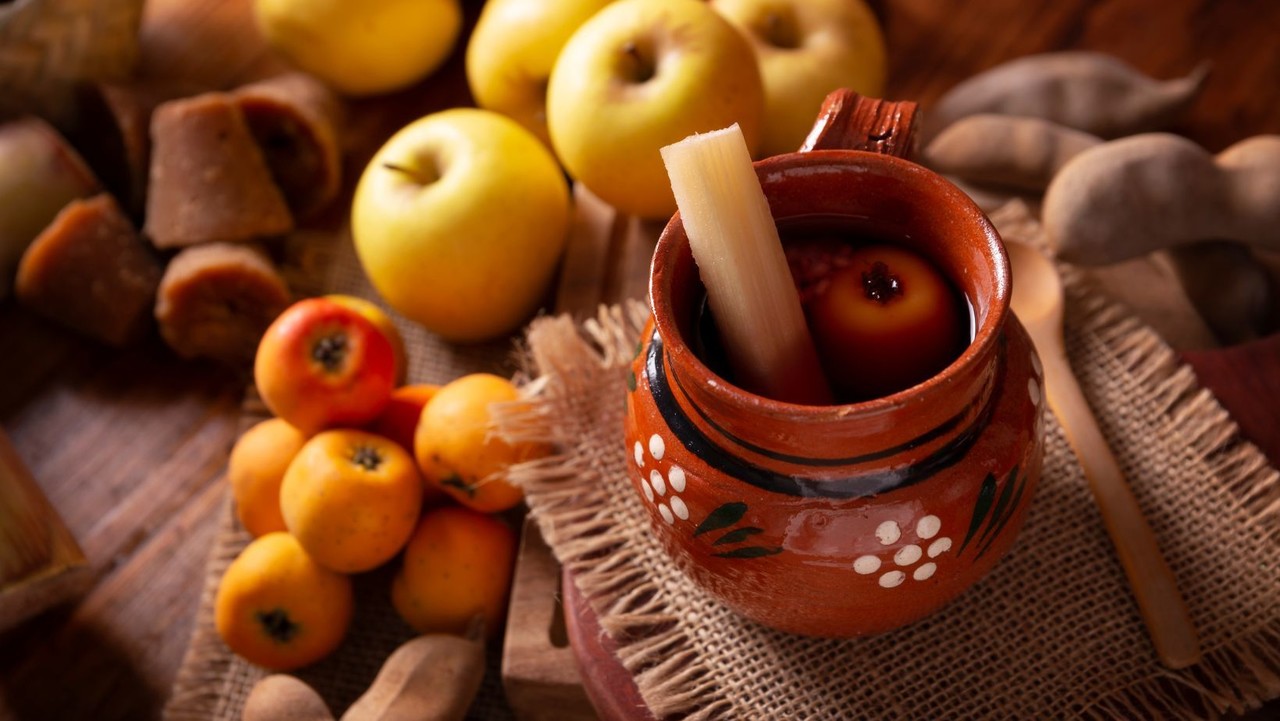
pixel 642 70
pixel 419 177
pixel 780 33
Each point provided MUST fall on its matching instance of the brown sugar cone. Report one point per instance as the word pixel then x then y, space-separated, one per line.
pixel 208 180
pixel 112 131
pixel 91 272
pixel 295 120
pixel 41 174
pixel 215 301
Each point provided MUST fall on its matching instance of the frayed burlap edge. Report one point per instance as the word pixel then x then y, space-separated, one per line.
pixel 566 361
pixel 1240 675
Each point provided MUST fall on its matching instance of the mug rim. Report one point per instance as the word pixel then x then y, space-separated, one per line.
pixel 986 331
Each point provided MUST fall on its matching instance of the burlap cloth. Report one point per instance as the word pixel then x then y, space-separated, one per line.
pixel 1052 632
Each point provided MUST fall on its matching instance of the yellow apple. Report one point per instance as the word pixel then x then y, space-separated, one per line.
pixel 807 48
pixel 639 75
pixel 362 48
pixel 511 52
pixel 459 221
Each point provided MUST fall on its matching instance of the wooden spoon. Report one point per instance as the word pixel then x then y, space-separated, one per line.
pixel 1038 303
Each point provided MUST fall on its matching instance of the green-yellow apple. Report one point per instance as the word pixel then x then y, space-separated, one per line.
pixel 40 174
pixel 511 52
pixel 459 221
pixel 807 48
pixel 640 75
pixel 363 47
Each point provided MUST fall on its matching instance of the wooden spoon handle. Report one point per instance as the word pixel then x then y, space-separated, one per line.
pixel 1163 610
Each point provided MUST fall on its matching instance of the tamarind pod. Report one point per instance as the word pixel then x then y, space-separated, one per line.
pixel 1252 166
pixel 428 678
pixel 1022 153
pixel 1231 290
pixel 1089 91
pixel 1149 192
pixel 281 697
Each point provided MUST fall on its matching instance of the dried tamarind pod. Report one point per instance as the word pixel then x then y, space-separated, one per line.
pixel 1231 289
pixel 295 120
pixel 208 180
pixel 1089 91
pixel 281 697
pixel 1149 192
pixel 91 272
pixel 217 299
pixel 1021 153
pixel 428 678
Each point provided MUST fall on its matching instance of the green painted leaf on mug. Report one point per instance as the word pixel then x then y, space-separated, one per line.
pixel 631 380
pixel 986 495
pixel 1002 504
pixel 722 517
pixel 736 535
pixel 1000 520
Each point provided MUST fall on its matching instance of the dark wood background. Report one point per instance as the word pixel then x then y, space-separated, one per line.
pixel 130 446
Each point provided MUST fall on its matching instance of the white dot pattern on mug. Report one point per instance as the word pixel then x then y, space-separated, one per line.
pixel 666 513
pixel 657 447
pixel 888 533
pixel 659 485
pixel 661 488
pixel 905 557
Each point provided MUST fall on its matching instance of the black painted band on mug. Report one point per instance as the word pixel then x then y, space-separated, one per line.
pixel 856 486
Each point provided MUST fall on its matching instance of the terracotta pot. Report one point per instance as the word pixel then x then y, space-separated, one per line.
pixel 846 519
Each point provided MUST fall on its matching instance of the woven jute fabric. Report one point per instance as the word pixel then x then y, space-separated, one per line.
pixel 1053 632
pixel 213 682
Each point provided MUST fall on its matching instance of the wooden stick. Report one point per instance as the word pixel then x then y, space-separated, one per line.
pixel 739 255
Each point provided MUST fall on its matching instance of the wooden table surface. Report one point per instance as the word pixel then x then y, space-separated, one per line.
pixel 130 446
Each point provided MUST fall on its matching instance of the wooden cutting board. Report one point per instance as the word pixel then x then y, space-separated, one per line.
pixel 40 562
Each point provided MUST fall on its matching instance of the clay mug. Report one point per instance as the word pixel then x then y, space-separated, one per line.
pixel 842 520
